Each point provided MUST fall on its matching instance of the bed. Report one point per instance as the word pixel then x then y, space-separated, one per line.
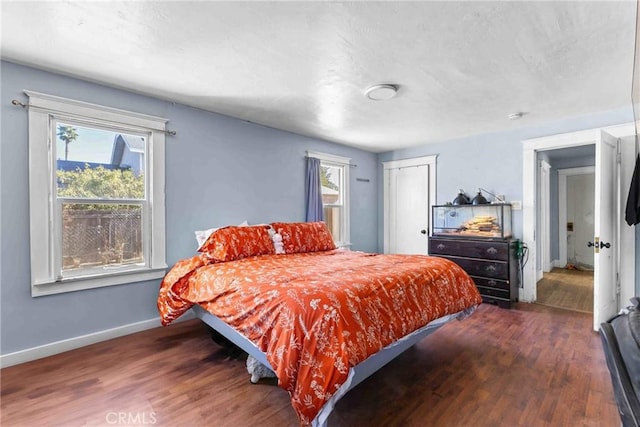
pixel 323 319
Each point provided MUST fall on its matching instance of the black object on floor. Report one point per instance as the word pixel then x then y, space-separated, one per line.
pixel 621 341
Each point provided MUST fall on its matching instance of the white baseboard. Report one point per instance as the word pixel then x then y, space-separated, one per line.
pixel 559 264
pixel 57 347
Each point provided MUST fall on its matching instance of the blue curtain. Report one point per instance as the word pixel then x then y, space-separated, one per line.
pixel 314 191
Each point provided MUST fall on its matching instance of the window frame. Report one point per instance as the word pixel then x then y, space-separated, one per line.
pixel 343 163
pixel 44 215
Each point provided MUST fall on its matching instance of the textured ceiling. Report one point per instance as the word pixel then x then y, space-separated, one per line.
pixel 461 67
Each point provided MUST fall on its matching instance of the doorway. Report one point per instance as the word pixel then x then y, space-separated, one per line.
pixel 409 193
pixel 614 252
pixel 566 279
pixel 576 213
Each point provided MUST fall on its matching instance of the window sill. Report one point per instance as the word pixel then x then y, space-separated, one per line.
pixel 95 281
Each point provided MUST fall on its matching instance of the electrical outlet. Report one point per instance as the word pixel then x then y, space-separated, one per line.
pixel 516 205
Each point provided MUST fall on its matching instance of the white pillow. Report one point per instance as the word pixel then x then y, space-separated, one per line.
pixel 203 235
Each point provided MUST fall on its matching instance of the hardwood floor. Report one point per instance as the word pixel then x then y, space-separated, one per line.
pixel 569 289
pixel 529 366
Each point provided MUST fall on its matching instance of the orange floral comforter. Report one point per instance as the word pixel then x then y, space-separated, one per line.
pixel 317 314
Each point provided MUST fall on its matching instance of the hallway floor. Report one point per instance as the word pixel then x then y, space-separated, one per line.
pixel 568 289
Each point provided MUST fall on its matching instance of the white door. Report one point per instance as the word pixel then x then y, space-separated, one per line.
pixel 409 191
pixel 580 214
pixel 566 238
pixel 409 210
pixel 605 301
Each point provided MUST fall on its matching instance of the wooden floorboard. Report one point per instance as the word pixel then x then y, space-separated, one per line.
pixel 529 366
pixel 569 289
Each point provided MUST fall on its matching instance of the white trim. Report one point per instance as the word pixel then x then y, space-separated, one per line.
pixel 527 293
pixel 80 283
pixel 564 140
pixel 529 208
pixel 331 158
pixel 43 213
pixel 545 220
pixel 562 207
pixel 58 347
pixel 621 131
pixel 405 163
pixel 529 157
pixel 429 161
pixel 346 226
pixel 57 104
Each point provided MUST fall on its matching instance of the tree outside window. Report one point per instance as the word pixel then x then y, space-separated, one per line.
pixel 96 195
pixel 96 230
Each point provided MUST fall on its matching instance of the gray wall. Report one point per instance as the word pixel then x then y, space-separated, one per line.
pixel 494 162
pixel 219 171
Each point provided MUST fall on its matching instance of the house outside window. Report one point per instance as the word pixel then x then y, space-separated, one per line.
pixel 334 178
pixel 96 184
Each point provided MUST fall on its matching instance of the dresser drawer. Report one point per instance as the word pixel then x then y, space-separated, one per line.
pixel 492 283
pixel 482 268
pixel 473 249
pixel 491 264
pixel 494 292
pixel 502 303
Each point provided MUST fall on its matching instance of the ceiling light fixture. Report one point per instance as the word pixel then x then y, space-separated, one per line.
pixel 382 92
pixel 515 116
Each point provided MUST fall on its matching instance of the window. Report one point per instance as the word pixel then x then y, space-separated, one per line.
pixel 96 190
pixel 334 176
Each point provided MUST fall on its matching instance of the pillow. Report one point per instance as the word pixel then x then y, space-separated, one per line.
pixel 231 243
pixel 304 236
pixel 203 235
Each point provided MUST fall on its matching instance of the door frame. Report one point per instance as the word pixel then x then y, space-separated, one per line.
pixel 545 217
pixel 563 174
pixel 530 149
pixel 429 161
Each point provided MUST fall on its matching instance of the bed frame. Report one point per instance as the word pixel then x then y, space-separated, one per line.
pixel 357 374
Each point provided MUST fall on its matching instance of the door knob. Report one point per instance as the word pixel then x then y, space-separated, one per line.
pixel 605 245
pixel 423 231
pixel 590 244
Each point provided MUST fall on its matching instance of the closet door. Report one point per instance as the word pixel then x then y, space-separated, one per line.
pixel 409 194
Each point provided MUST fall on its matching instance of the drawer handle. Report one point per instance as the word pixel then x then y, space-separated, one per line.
pixel 492 251
pixel 491 268
pixel 441 246
pixel 492 283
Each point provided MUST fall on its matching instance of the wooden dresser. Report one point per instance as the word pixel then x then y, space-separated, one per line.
pixel 491 263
